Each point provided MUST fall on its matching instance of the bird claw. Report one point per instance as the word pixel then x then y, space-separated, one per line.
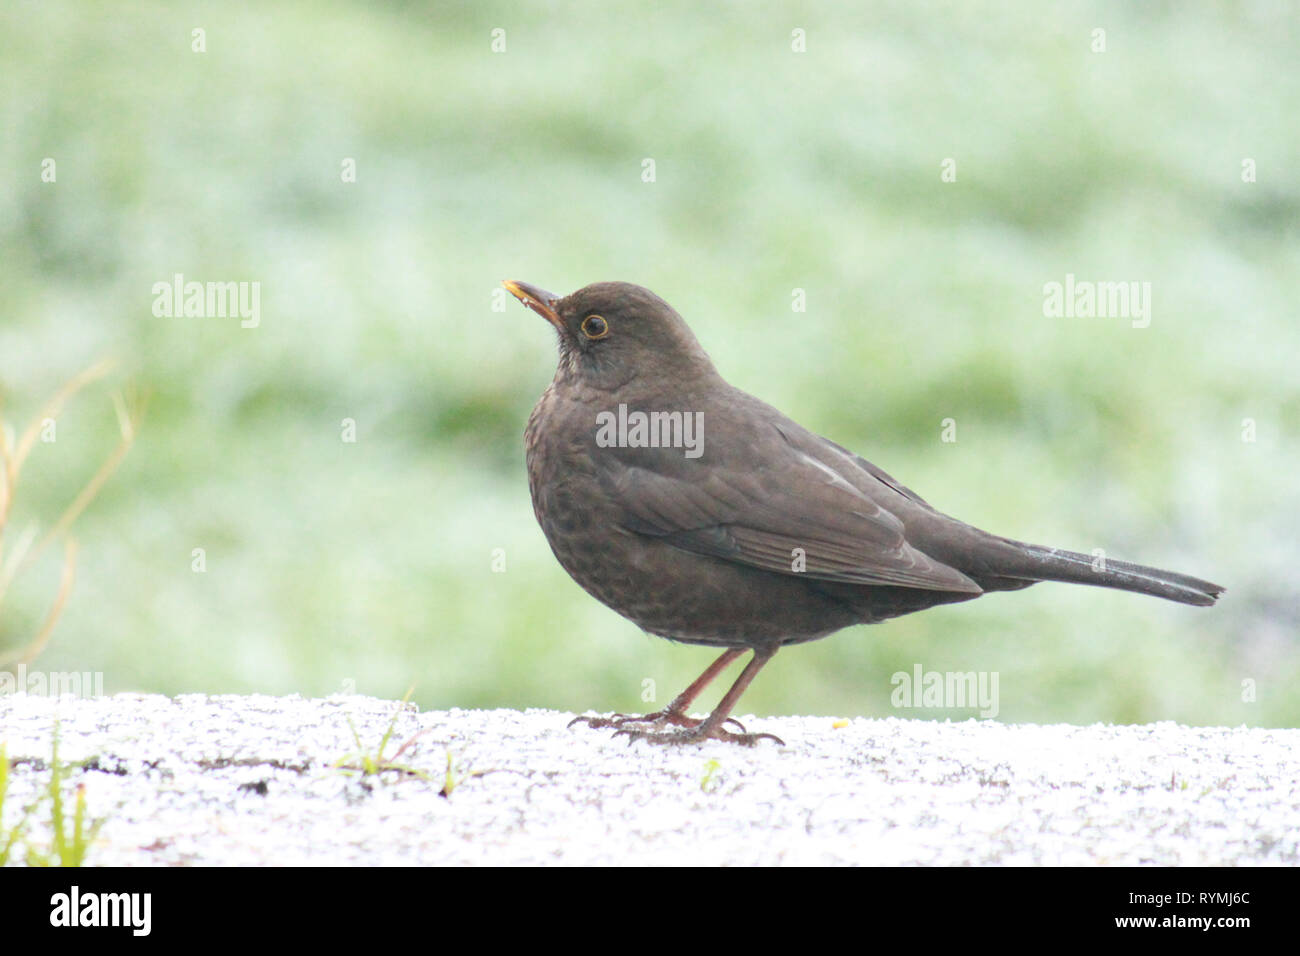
pixel 659 719
pixel 694 735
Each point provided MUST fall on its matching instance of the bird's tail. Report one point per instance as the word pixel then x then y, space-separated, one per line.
pixel 1037 563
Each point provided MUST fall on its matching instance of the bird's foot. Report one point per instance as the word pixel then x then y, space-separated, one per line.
pixel 660 719
pixel 694 735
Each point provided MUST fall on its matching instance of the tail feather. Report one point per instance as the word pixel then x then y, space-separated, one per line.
pixel 1054 564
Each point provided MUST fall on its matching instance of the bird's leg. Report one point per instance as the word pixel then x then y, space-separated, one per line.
pixel 711 728
pixel 674 713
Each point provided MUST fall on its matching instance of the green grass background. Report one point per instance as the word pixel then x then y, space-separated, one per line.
pixel 367 566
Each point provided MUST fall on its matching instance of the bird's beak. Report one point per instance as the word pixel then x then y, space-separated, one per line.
pixel 539 300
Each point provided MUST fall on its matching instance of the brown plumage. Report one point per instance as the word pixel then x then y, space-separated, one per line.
pixel 753 532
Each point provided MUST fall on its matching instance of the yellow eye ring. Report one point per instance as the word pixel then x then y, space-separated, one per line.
pixel 595 327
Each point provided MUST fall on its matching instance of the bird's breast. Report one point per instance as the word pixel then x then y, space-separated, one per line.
pixel 666 591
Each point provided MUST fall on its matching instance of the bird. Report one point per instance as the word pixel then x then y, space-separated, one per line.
pixel 706 516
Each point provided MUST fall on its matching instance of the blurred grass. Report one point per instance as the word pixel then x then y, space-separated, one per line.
pixel 368 565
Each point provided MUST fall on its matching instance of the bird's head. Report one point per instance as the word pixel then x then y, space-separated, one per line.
pixel 612 332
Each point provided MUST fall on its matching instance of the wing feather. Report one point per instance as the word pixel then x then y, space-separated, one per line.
pixel 810 509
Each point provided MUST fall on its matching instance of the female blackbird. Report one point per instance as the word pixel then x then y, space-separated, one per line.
pixel 706 516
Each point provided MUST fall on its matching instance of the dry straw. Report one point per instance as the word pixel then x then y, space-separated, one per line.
pixel 14 452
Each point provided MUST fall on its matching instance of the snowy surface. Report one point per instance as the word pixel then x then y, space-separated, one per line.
pixel 254 780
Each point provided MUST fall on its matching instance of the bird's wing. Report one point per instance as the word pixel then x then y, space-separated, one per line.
pixel 790 503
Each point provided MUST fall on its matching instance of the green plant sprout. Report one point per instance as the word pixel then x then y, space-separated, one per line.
pixel 451 781
pixel 66 848
pixel 367 763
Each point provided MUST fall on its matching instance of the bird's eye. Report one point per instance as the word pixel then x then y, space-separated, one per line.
pixel 595 327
